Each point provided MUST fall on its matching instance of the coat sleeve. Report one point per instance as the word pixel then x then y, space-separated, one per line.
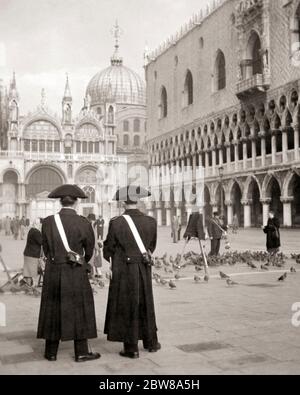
pixel 44 239
pixel 89 243
pixel 210 228
pixel 152 245
pixel 110 243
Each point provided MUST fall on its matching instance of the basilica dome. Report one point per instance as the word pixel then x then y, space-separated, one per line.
pixel 117 83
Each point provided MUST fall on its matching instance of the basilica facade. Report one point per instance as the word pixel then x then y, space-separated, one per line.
pixel 94 149
pixel 223 95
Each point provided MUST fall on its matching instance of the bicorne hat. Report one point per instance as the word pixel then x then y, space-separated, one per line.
pixel 131 194
pixel 67 190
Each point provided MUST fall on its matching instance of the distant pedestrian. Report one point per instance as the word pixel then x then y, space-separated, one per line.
pixel 15 225
pixel 216 230
pixel 273 234
pixel 179 228
pixel 7 229
pixel 22 225
pixel 174 229
pixel 99 227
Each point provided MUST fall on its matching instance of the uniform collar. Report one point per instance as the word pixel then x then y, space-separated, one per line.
pixel 133 212
pixel 67 211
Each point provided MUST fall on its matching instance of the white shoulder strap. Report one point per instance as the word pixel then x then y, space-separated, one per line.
pixel 62 232
pixel 136 234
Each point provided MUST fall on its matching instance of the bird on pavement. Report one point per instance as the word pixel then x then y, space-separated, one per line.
pixel 198 268
pixel 177 276
pixel 224 276
pixel 250 264
pixel 172 285
pixel 206 278
pixel 264 267
pixel 197 279
pixel 163 281
pixel 283 277
pixel 231 283
pixel 293 270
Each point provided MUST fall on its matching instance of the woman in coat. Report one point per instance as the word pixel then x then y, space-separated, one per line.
pixel 273 234
pixel 130 315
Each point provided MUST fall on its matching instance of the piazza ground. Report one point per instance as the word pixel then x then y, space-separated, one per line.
pixel 204 328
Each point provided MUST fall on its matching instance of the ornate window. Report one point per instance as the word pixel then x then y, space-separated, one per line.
pixel 91 147
pixel 126 126
pixel 91 195
pixel 56 146
pixel 78 147
pixel 136 141
pixel 42 146
pixel 163 103
pixel 27 145
pixel 126 140
pixel 34 145
pixel 84 147
pixel 256 57
pixel 136 125
pixel 97 147
pixel 188 89
pixel 220 71
pixel 49 146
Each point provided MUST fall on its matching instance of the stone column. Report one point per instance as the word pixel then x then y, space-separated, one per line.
pixel 247 213
pixel 274 132
pixel 263 148
pixel 287 211
pixel 220 149
pixel 254 153
pixel 296 140
pixel 236 156
pixel 245 156
pixel 266 210
pixel 229 212
pixel 228 156
pixel 206 159
pixel 214 161
pixel 168 213
pixel 158 214
pixel 284 146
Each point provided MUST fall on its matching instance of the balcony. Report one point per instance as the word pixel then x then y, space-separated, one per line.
pixel 255 84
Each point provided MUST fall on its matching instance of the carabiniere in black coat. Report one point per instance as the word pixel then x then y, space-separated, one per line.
pixel 67 307
pixel 130 315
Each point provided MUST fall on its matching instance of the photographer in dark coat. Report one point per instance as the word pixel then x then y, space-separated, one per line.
pixel 67 307
pixel 273 234
pixel 130 315
pixel 216 230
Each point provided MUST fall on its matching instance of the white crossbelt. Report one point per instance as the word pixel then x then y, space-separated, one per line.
pixel 136 234
pixel 62 232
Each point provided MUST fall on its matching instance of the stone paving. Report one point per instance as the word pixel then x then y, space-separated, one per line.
pixel 204 328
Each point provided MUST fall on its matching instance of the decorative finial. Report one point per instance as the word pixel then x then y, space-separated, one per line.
pixel 117 33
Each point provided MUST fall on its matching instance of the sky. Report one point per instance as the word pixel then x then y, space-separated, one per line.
pixel 42 40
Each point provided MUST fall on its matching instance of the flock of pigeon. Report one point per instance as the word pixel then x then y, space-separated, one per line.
pixel 168 270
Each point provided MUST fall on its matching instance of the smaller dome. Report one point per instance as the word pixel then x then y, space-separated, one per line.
pixel 119 84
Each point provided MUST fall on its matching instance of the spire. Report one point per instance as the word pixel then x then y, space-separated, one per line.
pixel 67 95
pixel 13 92
pixel 116 31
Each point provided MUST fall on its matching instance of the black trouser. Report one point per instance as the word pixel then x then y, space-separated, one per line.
pixel 215 247
pixel 147 344
pixel 80 347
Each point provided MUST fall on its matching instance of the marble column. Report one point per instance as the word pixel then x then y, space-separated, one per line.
pixel 296 140
pixel 168 213
pixel 220 151
pixel 229 206
pixel 284 146
pixel 263 148
pixel 247 213
pixel 158 214
pixel 236 156
pixel 245 156
pixel 274 132
pixel 228 156
pixel 254 153
pixel 214 162
pixel 266 210
pixel 287 211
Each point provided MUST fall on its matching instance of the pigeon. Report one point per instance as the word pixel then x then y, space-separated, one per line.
pixel 293 270
pixel 172 285
pixel 198 268
pixel 231 283
pixel 264 267
pixel 224 276
pixel 163 281
pixel 250 264
pixel 101 284
pixel 206 278
pixel 197 279
pixel 283 278
pixel 168 271
pixel 177 276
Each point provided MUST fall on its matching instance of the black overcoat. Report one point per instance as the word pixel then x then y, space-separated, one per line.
pixel 273 233
pixel 67 307
pixel 130 314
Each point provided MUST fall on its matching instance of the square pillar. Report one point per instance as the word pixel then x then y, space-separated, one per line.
pixel 287 212
pixel 247 214
pixel 229 212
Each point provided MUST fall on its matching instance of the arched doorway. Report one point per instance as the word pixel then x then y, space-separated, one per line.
pixel 256 208
pixel 40 183
pixel 86 179
pixel 237 208
pixel 274 192
pixel 294 190
pixel 9 194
